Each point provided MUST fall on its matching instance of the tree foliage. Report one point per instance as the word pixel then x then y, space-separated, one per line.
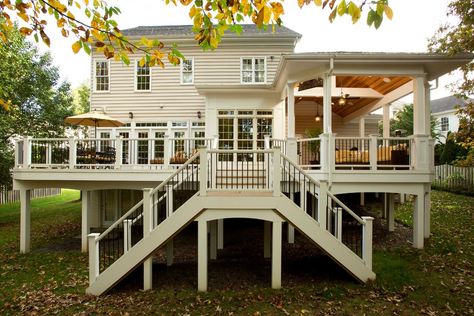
pixel 211 19
pixel 39 101
pixel 81 97
pixel 453 37
pixel 403 121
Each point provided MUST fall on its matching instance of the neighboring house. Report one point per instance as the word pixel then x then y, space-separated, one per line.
pixel 216 138
pixel 444 111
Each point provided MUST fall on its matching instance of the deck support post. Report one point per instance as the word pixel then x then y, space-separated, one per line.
pixel 323 204
pixel 86 219
pixel 220 234
pixel 390 212
pixel 25 220
pixel 169 211
pixel 276 255
pixel 213 240
pixel 267 239
pixel 170 253
pixel 202 256
pixel 427 210
pixel 419 220
pixel 291 229
pixel 147 227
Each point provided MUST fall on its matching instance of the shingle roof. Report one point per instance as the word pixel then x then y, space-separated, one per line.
pixel 179 31
pixel 446 104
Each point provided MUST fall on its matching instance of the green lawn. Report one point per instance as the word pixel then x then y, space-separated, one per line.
pixel 434 281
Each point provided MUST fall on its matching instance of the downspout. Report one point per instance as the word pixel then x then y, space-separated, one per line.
pixel 331 70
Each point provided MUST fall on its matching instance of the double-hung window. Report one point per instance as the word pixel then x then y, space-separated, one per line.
pixel 444 124
pixel 143 77
pixel 102 76
pixel 253 70
pixel 187 71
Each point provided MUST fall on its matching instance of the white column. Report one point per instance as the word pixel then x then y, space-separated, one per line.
pixel 276 255
pixel 267 239
pixel 421 111
pixel 386 120
pixel 86 219
pixel 220 234
pixel 390 212
pixel 418 220
pixel 213 240
pixel 202 256
pixel 327 107
pixel 147 227
pixel 290 86
pixel 25 224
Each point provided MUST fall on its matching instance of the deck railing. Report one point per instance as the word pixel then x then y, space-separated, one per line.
pixel 106 153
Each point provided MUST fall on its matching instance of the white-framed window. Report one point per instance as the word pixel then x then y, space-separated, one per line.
pixel 187 71
pixel 142 77
pixel 444 124
pixel 102 75
pixel 253 70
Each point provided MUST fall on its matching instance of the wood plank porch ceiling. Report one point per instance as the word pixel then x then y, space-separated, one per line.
pixel 382 85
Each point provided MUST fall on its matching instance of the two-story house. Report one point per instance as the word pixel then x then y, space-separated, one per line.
pixel 223 136
pixel 444 111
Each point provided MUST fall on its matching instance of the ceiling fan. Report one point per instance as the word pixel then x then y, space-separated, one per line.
pixel 344 99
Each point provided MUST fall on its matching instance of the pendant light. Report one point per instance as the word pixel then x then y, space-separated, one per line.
pixel 317 117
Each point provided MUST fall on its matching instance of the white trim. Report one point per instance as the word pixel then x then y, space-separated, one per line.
pixel 135 77
pixel 192 71
pixel 253 58
pixel 94 75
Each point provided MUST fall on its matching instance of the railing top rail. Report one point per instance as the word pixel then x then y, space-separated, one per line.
pixel 315 182
pixel 346 208
pixel 47 139
pixel 351 138
pixel 120 220
pixel 395 138
pixel 308 139
pixel 189 161
pixel 240 151
pixel 278 139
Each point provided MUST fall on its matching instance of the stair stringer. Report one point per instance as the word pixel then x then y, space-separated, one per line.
pixel 334 248
pixel 145 247
pixel 304 223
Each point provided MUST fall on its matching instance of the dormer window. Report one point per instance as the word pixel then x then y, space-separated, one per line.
pixel 253 70
pixel 143 78
pixel 102 76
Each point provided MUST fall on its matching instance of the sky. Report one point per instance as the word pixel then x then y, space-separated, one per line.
pixel 413 23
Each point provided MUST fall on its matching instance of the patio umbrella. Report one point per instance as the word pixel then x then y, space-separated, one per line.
pixel 95 119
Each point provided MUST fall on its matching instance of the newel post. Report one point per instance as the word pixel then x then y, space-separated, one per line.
pixel 93 257
pixel 373 151
pixel 324 152
pixel 166 151
pixel 203 173
pixel 292 149
pixel 276 171
pixel 72 152
pixel 367 241
pixel 266 141
pixel 118 151
pixel 26 152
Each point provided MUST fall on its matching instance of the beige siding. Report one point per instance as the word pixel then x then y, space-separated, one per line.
pixel 168 98
pixel 338 127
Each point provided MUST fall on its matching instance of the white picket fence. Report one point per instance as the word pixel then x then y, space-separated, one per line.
pixel 8 196
pixel 453 178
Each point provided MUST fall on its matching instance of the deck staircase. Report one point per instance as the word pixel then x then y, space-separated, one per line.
pixel 281 188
